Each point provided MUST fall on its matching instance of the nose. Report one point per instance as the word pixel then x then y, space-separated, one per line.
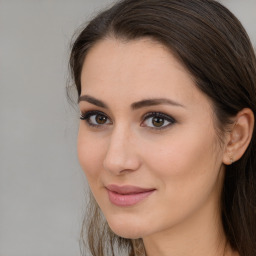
pixel 121 155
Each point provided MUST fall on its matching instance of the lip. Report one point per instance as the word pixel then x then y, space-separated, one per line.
pixel 127 195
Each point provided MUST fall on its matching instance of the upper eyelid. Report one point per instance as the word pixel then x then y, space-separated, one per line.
pixel 93 112
pixel 146 115
pixel 161 114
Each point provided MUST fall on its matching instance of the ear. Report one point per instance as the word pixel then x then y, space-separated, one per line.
pixel 239 137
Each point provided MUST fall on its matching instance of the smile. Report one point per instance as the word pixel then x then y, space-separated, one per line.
pixel 127 195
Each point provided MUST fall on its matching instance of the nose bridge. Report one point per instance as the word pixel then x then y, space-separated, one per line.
pixel 121 154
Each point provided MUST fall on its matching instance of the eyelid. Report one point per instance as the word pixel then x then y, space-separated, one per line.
pixel 166 117
pixel 158 114
pixel 87 114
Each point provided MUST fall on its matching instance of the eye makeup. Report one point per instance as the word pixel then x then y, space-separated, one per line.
pixel 157 120
pixel 151 120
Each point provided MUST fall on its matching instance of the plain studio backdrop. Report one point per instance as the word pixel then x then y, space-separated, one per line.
pixel 42 188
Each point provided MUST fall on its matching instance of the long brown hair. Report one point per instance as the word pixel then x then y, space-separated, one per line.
pixel 213 46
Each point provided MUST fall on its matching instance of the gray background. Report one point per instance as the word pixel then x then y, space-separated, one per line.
pixel 42 189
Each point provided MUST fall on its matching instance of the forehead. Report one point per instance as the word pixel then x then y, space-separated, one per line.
pixel 131 70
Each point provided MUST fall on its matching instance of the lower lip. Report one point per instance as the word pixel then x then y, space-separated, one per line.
pixel 127 200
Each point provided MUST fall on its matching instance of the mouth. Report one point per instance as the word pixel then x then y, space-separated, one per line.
pixel 127 195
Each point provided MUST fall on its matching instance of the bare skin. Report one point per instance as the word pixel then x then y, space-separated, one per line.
pixel 175 153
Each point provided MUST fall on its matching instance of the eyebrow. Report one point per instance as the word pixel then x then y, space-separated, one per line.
pixel 135 105
pixel 154 102
pixel 93 101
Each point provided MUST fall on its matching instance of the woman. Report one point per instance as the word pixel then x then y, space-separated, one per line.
pixel 167 94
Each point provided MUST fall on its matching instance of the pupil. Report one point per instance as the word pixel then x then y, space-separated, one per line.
pixel 101 119
pixel 158 121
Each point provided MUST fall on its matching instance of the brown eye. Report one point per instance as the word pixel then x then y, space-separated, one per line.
pixel 95 118
pixel 158 121
pixel 100 119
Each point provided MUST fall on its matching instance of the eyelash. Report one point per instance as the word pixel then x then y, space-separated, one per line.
pixel 165 117
pixel 87 115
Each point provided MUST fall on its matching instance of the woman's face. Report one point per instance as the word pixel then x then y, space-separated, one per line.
pixel 146 141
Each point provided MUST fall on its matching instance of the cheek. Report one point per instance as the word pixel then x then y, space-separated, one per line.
pixel 185 165
pixel 186 173
pixel 179 155
pixel 90 154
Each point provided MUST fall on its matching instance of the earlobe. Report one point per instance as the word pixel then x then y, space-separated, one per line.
pixel 239 137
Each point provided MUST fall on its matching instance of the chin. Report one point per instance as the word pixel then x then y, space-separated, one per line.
pixel 127 229
pixel 127 233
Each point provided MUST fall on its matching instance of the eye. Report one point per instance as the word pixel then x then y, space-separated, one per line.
pixel 95 118
pixel 157 120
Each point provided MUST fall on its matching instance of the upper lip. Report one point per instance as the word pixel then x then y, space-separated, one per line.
pixel 128 189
